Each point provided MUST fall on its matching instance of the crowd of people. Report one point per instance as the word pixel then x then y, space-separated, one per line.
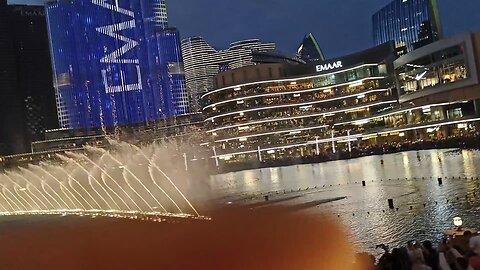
pixel 452 253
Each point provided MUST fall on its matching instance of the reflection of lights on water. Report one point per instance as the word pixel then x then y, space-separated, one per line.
pixel 468 163
pixel 386 227
pixel 146 216
pixel 406 165
pixel 275 175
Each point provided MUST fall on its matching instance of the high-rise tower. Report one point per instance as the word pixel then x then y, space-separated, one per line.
pixel 410 23
pixel 160 13
pixel 112 62
pixel 203 63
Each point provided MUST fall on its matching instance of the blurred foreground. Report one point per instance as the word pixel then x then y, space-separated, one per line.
pixel 235 239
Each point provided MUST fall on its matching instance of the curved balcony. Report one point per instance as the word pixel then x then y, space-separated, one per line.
pixel 287 80
pixel 288 131
pixel 255 95
pixel 292 101
pixel 293 104
pixel 344 138
pixel 317 114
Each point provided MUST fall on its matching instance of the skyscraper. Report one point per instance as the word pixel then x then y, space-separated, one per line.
pixel 27 106
pixel 410 23
pixel 172 72
pixel 309 50
pixel 160 13
pixel 203 63
pixel 116 63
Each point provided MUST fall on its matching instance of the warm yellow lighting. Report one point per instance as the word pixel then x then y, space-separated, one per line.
pixel 369 137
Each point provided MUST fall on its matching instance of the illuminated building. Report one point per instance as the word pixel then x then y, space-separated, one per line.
pixel 276 110
pixel 172 73
pixel 410 23
pixel 346 106
pixel 442 81
pixel 114 65
pixel 203 62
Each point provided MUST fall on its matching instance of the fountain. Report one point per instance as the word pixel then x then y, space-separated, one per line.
pixel 124 180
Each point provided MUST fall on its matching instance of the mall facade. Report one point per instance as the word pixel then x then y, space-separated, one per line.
pixel 348 104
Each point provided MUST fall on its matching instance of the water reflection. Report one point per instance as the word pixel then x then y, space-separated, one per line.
pixel 423 211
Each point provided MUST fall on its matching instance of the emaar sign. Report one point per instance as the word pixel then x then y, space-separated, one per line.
pixel 116 57
pixel 329 66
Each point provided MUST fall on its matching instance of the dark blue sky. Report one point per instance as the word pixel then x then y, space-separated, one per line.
pixel 341 26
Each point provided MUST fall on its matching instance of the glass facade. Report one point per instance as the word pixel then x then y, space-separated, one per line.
pixel 410 23
pixel 439 68
pixel 114 65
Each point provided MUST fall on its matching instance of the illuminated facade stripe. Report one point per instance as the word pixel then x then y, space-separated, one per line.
pixel 295 105
pixel 338 124
pixel 299 92
pixel 394 112
pixel 288 80
pixel 354 136
pixel 271 133
pixel 301 116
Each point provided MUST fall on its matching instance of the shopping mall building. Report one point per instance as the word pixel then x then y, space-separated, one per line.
pixel 345 105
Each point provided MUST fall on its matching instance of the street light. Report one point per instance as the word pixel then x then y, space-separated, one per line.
pixel 458 222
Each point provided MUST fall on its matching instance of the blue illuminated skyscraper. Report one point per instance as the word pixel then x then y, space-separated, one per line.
pixel 172 72
pixel 115 63
pixel 410 23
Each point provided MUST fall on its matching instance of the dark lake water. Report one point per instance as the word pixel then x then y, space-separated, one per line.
pixel 425 208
